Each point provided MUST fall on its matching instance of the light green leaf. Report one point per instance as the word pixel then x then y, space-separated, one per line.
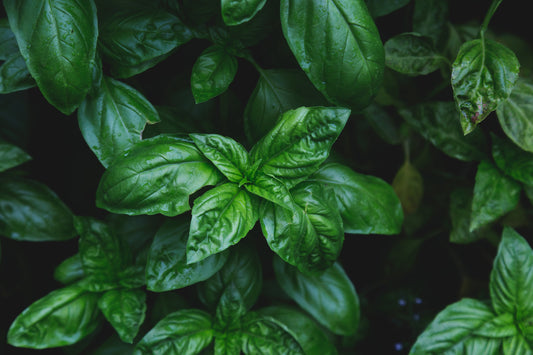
pixel 58 42
pixel 367 204
pixel 167 267
pixel 156 176
pixel 516 345
pixel 235 12
pixel 329 297
pixel 483 76
pixel 479 345
pixel 70 270
pixel 228 343
pixel 338 46
pixel 271 189
pixel 512 160
pixel 11 156
pixel 113 118
pixel 494 195
pixel 60 318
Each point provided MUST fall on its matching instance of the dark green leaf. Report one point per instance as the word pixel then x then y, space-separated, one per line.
pixel 412 54
pixel 186 331
pixel 512 160
pixel 338 46
pixel 212 73
pixel 460 209
pixel 70 270
pixel 167 267
pixel 156 176
pixel 516 345
pixel 383 123
pixel 409 186
pixel 367 204
pixel 220 218
pixel 483 76
pixel 60 318
pixel 137 232
pixel 235 12
pixel 438 122
pixel 516 115
pixel 228 156
pixel 125 310
pixel 58 41
pixel 14 75
pixel 494 195
pixel 277 91
pixel 329 297
pixel 11 156
pixel 310 234
pixel 309 335
pixel 31 211
pixel 8 42
pixel 231 307
pixel 113 346
pixel 264 335
pixel 136 38
pixel 378 8
pixel 430 18
pixel 299 142
pixel 113 118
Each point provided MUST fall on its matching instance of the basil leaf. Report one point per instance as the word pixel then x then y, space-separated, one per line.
pixel 167 267
pixel 483 76
pixel 430 18
pixel 60 318
pixel 412 54
pixel 113 346
pixel 460 209
pixel 187 331
pixel 229 311
pixel 264 335
pixel 309 335
pixel 385 125
pixel 511 279
pixel 329 297
pixel 113 119
pixel 299 142
pixel 8 42
pixel 516 345
pixel 11 156
pixel 242 272
pixel 409 186
pixel 378 8
pixel 339 49
pixel 220 218
pixel 367 204
pixel 228 343
pixel 310 234
pixel 125 310
pixel 14 75
pixel 271 189
pixel 70 270
pixel 515 114
pixel 494 195
pixel 227 155
pixel 157 175
pixel 453 327
pixel 30 211
pixel 136 38
pixel 479 345
pixel 135 232
pixel 58 42
pixel 438 122
pixel 277 91
pixel 512 160
pixel 240 11
pixel 212 73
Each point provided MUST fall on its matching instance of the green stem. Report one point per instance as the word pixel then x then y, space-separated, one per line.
pixel 488 16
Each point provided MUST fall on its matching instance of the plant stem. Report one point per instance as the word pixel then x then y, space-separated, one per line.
pixel 488 16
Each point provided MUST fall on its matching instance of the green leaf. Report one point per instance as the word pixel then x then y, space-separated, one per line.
pixel 310 234
pixel 125 310
pixel 157 175
pixel 512 160
pixel 167 267
pixel 430 18
pixel 412 54
pixel 483 76
pixel 367 204
pixel 460 209
pixel 58 42
pixel 454 326
pixel 235 12
pixel 511 279
pixel 30 211
pixel 228 343
pixel 265 335
pixel 228 156
pixel 277 91
pixel 113 119
pixel 438 122
pixel 409 186
pixel 516 345
pixel 338 46
pixel 329 297
pixel 70 270
pixel 299 142
pixel 271 189
pixel 11 156
pixel 62 317
pixel 309 335
pixel 187 331
pixel 231 307
pixel 14 75
pixel 479 345
pixel 516 114
pixel 386 126
pixel 241 272
pixel 212 73
pixel 135 38
pixel 220 218
pixel 378 8
pixel 8 42
pixel 494 195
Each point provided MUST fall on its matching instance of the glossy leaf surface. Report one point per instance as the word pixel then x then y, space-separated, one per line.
pixel 412 54
pixel 70 270
pixel 11 156
pixel 14 75
pixel 512 160
pixel 235 12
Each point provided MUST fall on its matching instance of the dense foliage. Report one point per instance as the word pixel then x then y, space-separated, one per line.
pixel 231 172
